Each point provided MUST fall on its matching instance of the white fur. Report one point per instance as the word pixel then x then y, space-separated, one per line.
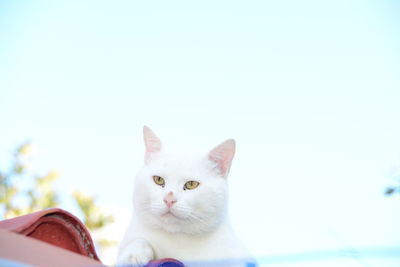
pixel 196 228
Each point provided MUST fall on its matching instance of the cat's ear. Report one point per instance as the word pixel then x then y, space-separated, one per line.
pixel 151 142
pixel 222 156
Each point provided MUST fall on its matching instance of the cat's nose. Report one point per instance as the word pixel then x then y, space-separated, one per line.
pixel 170 199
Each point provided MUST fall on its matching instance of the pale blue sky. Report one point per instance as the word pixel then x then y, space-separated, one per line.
pixel 309 89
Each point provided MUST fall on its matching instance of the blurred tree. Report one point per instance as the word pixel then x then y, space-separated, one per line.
pixel 39 196
pixel 94 218
pixel 22 192
pixel 390 190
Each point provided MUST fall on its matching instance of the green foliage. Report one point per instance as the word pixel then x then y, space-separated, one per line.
pixel 390 190
pixel 94 218
pixel 41 194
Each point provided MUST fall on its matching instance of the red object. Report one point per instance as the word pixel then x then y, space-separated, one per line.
pixel 59 228
pixel 21 249
pixel 56 227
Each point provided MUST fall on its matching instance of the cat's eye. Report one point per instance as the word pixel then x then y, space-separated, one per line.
pixel 159 180
pixel 191 185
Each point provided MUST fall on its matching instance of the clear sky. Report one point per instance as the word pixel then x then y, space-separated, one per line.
pixel 310 90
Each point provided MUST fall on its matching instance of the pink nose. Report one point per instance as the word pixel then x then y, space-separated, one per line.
pixel 169 200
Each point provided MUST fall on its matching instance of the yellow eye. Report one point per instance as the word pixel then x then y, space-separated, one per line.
pixel 191 185
pixel 159 180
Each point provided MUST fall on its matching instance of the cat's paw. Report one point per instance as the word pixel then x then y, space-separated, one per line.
pixel 137 253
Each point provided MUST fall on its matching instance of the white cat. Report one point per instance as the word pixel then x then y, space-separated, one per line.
pixel 180 209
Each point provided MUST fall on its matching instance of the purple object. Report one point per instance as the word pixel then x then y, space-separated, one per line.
pixel 165 263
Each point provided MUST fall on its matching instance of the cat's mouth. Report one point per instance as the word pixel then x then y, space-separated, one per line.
pixel 169 214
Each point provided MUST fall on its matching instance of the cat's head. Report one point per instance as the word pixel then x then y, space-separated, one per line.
pixel 182 192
